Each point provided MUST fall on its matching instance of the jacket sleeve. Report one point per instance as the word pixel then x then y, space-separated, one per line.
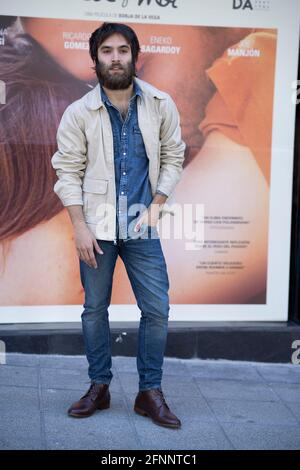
pixel 171 148
pixel 70 159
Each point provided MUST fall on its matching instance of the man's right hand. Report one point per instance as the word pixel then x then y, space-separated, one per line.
pixel 85 243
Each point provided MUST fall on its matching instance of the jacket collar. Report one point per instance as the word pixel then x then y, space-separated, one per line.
pixel 94 101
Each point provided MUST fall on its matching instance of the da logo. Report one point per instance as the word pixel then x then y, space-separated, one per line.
pixel 237 4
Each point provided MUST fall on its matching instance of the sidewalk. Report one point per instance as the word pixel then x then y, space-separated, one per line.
pixel 221 404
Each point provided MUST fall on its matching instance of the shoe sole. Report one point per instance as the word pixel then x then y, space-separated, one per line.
pixel 100 407
pixel 144 413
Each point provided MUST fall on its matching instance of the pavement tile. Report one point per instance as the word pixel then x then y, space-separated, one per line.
pixel 289 392
pixel 100 431
pixel 263 437
pixel 252 412
pixel 235 390
pixel 192 435
pixel 223 370
pixel 279 372
pixel 21 376
pixel 20 430
pixel 17 399
pixel 63 362
pixel 295 409
pixel 18 359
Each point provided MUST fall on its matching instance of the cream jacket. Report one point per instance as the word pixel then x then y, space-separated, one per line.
pixel 84 161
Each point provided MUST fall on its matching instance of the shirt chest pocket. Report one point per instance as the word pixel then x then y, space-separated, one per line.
pixel 94 198
pixel 139 150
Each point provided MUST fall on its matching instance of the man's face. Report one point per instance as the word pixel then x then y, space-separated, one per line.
pixel 115 70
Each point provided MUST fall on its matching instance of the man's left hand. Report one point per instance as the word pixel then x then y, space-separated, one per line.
pixel 149 217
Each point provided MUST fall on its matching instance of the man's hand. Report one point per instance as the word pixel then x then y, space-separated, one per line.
pixel 85 243
pixel 148 217
pixel 151 215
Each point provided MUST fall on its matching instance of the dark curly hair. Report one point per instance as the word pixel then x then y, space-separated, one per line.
pixel 108 29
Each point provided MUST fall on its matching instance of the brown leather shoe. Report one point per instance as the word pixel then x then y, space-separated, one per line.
pixel 96 398
pixel 153 404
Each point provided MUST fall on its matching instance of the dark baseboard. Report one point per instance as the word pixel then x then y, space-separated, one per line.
pixel 243 341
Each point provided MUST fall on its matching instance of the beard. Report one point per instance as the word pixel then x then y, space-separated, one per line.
pixel 118 80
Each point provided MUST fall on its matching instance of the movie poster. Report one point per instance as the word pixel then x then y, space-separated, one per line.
pixel 221 241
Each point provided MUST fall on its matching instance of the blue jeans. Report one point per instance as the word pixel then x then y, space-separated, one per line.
pixel 146 268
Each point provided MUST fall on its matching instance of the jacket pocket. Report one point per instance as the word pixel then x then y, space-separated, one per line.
pixel 94 198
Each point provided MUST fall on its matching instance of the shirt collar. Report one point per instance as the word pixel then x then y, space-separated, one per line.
pixel 137 91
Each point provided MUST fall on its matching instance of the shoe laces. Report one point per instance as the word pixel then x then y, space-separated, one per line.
pixel 92 391
pixel 159 392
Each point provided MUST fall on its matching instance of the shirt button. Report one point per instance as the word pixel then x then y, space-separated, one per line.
pixel 124 133
pixel 124 172
pixel 124 153
pixel 122 192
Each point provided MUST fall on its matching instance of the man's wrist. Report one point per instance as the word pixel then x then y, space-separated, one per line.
pixel 159 198
pixel 79 224
pixel 161 192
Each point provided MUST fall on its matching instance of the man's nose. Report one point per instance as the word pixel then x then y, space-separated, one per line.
pixel 115 56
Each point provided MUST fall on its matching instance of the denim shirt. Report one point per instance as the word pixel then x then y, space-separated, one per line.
pixel 131 165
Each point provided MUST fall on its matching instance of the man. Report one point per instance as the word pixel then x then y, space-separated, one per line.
pixel 119 158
